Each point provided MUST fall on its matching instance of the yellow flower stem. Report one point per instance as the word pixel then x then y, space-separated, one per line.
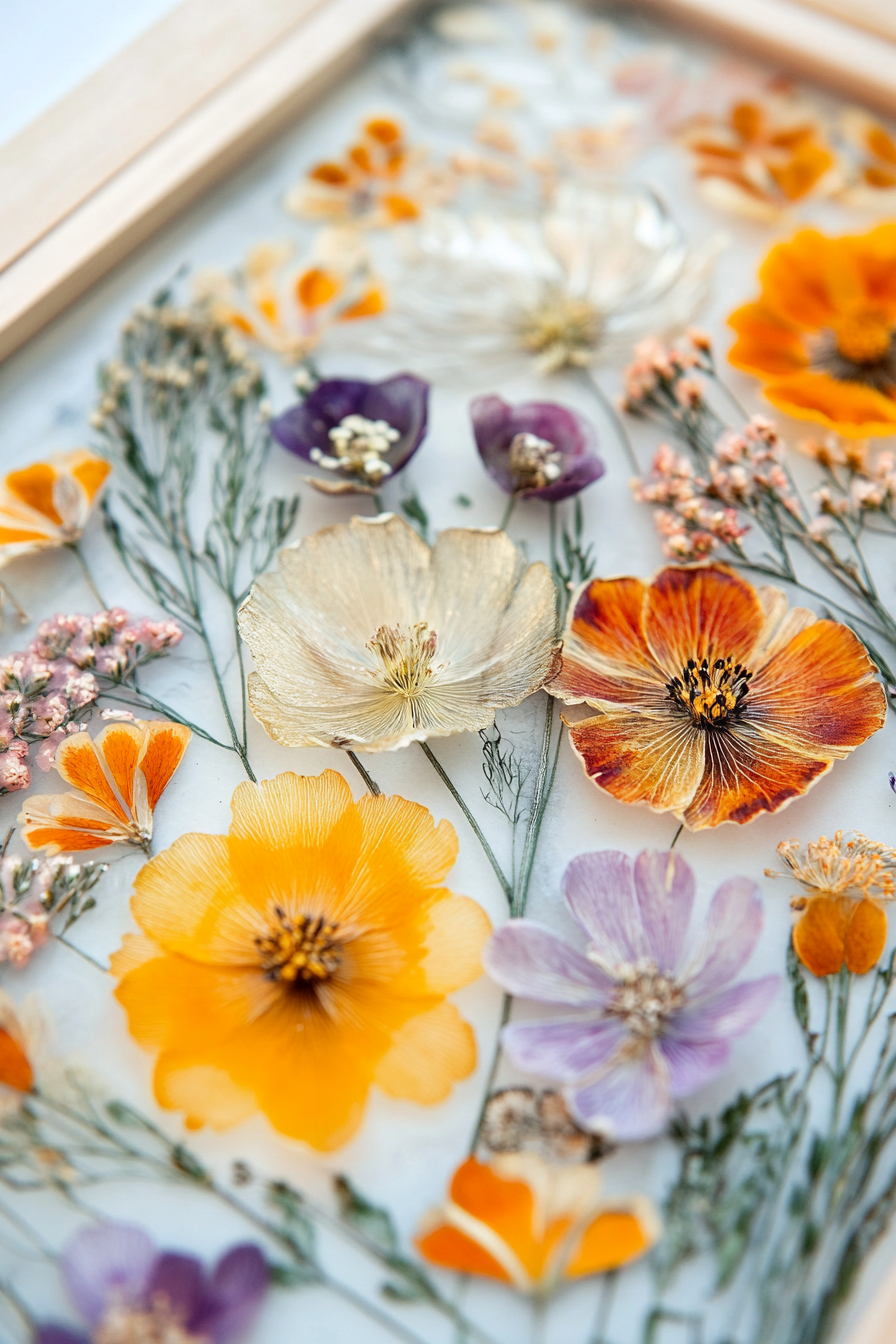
pixel 76 551
pixel 506 886
pixel 369 781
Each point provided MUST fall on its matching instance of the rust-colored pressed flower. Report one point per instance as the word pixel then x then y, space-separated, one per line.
pixel 761 158
pixel 531 1224
pixel 291 964
pixel 822 334
pixel 842 919
pixel 714 700
pixel 48 503
pixel 120 776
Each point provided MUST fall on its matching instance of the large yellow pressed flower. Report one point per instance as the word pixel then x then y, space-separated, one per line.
pixel 303 957
pixel 822 334
pixel 365 637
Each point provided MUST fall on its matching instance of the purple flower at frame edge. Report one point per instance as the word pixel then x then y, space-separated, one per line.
pixel 114 1274
pixel 644 1022
pixel 535 449
pixel 360 433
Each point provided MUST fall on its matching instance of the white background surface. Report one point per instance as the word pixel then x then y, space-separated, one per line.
pixel 403 1154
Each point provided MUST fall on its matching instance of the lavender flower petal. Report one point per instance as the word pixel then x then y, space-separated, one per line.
pixel 732 931
pixel 692 1064
pixel 238 1286
pixel 534 962
pixel 665 888
pixel 179 1279
pixel 565 1049
pixel 495 425
pixel 729 1013
pixel 629 1102
pixel 58 1334
pixel 100 1261
pixel 402 401
pixel 600 893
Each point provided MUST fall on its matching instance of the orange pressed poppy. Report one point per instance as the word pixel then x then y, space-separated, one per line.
pixel 48 503
pixel 305 956
pixel 842 919
pixel 120 775
pixel 761 158
pixel 713 700
pixel 533 1225
pixel 822 334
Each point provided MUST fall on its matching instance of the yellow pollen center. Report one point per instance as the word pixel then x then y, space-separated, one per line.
pixel 307 949
pixel 710 692
pixel 405 656
pixel 128 1325
pixel 644 998
pixel 864 338
pixel 562 330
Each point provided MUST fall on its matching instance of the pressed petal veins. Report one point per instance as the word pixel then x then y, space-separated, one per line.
pixel 534 962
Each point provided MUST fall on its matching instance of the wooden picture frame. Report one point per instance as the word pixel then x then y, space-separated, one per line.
pixel 112 162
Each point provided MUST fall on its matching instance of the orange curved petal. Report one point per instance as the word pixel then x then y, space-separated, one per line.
pixel 370 304
pixel 701 613
pixel 330 174
pixel 807 280
pixel 15 1067
pixel 613 1239
pixel 163 751
pixel 765 346
pixel 90 472
pixel 804 169
pixel 452 1249
pixel 506 1206
pixel 385 130
pixel 59 838
pixel 865 937
pixel 819 936
pixel 605 654
pixel 852 409
pixel 399 208
pixel 17 536
pixel 819 694
pixel 78 763
pixel 747 774
pixel 657 759
pixel 120 745
pixel 34 486
pixel 317 287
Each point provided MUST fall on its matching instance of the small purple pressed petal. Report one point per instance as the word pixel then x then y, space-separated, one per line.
pixel 665 887
pixel 235 1294
pixel 496 423
pixel 179 1280
pixel 629 1102
pixel 533 962
pixel 403 401
pixel 600 893
pixel 731 933
pixel 728 1013
pixel 693 1064
pixel 566 1049
pixel 100 1261
pixel 58 1334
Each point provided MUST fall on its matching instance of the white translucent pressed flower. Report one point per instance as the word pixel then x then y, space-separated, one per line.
pixel 365 637
pixel 599 270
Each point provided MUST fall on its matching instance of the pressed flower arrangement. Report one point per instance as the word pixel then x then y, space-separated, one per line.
pixel 625 1093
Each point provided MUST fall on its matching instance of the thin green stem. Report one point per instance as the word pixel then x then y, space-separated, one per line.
pixel 676 835
pixel 615 420
pixel 18 1306
pixel 507 514
pixel 238 746
pixel 506 1005
pixel 506 886
pixel 76 551
pixel 539 1320
pixel 372 1311
pixel 544 782
pixel 61 938
pixel 369 782
pixel 142 700
pixel 7 595
pixel 604 1307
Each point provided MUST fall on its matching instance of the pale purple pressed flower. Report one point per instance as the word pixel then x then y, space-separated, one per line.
pixel 536 449
pixel 125 1288
pixel 646 1019
pixel 359 433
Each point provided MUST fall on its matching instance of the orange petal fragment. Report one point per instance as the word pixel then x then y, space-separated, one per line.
pixel 90 473
pixel 162 754
pixel 331 174
pixel 369 305
pixel 819 938
pixel 384 130
pixel 612 1239
pixel 865 937
pixel 120 745
pixel 315 287
pixel 400 208
pixel 79 764
pixel 57 838
pixel 452 1249
pixel 34 486
pixel 15 1067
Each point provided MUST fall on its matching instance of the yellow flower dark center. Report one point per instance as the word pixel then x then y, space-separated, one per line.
pixel 864 338
pixel 710 692
pixel 405 657
pixel 307 949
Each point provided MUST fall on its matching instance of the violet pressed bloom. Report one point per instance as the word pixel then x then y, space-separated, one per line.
pixel 360 433
pixel 536 449
pixel 646 1020
pixel 122 1286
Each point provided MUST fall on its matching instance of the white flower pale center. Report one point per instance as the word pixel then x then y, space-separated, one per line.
pixel 405 656
pixel 128 1325
pixel 534 462
pixel 562 331
pixel 644 998
pixel 359 448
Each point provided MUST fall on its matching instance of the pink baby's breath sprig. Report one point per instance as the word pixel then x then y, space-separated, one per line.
pixel 687 516
pixel 32 893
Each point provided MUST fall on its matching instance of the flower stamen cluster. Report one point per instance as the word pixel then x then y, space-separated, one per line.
pixel 304 950
pixel 644 998
pixel 534 462
pixel 853 867
pixel 359 448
